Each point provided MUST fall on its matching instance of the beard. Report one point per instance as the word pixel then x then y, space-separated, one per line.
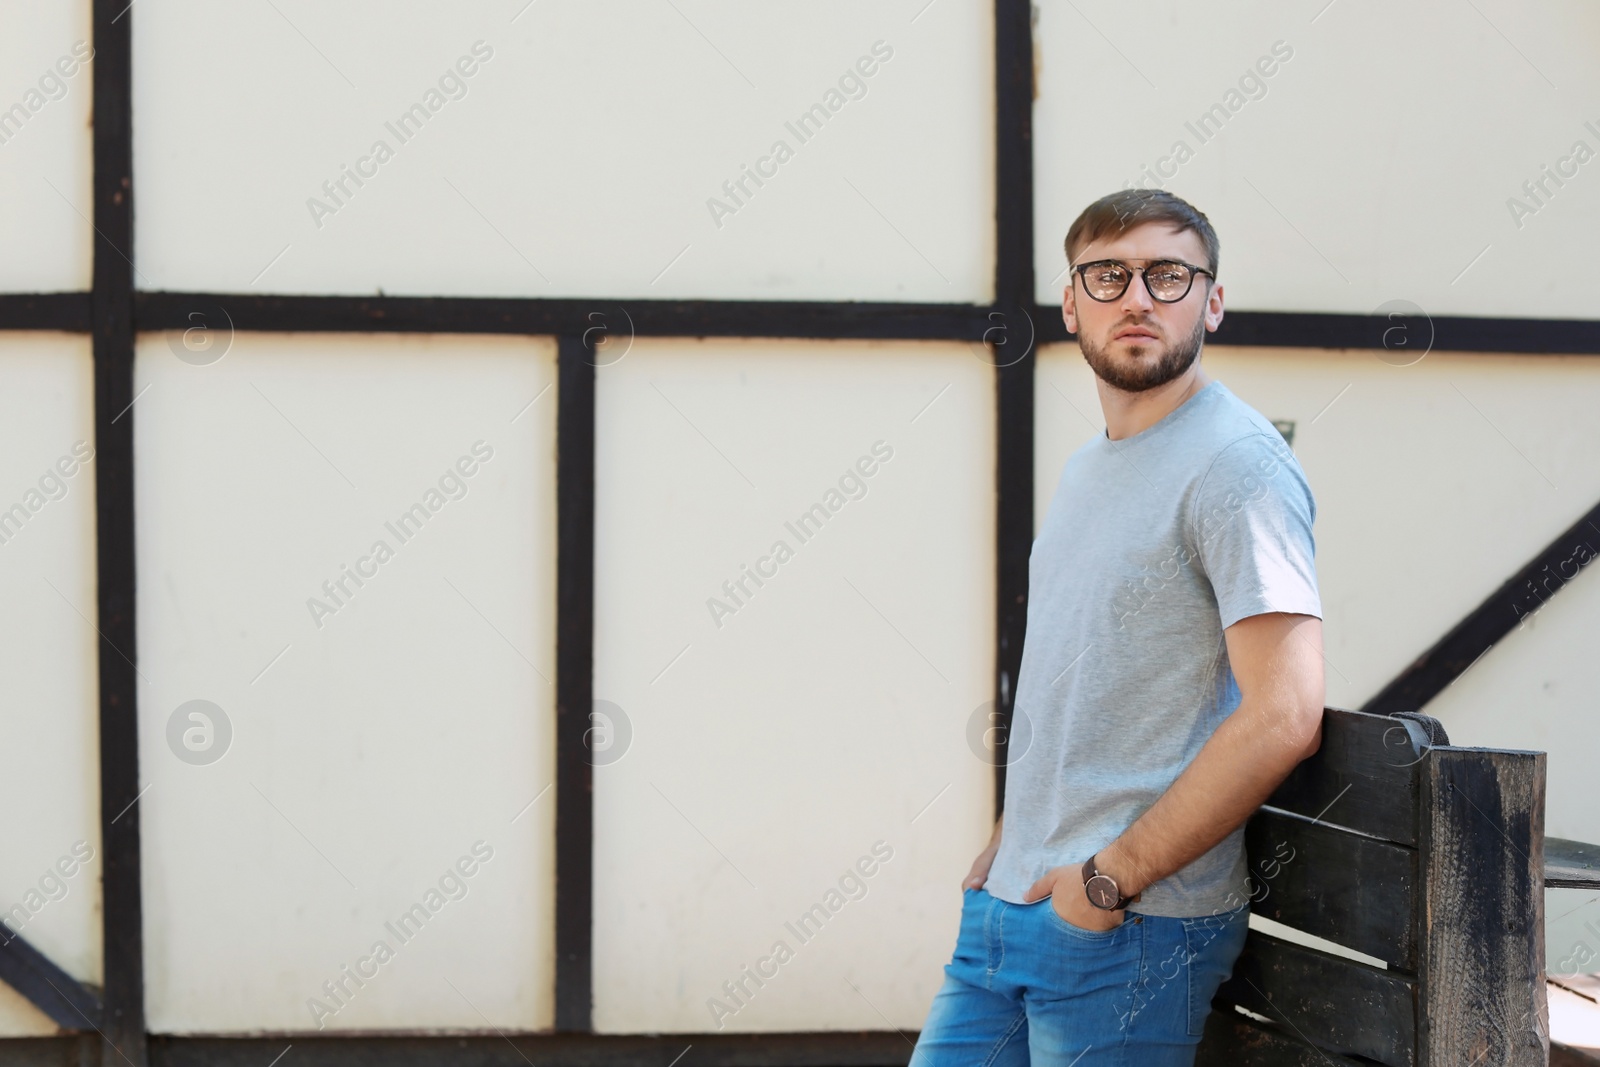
pixel 1138 373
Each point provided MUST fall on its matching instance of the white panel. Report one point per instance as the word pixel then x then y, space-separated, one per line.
pixel 1536 690
pixel 50 866
pixel 46 98
pixel 1378 162
pixel 773 747
pixel 580 156
pixel 370 749
pixel 1434 482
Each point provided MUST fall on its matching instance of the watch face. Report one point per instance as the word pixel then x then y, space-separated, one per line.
pixel 1102 891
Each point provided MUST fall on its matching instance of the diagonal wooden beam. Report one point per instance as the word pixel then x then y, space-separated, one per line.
pixel 69 1003
pixel 1503 611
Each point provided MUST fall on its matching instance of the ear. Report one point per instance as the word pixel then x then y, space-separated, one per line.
pixel 1069 308
pixel 1214 308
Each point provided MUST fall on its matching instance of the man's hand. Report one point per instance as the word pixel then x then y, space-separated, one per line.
pixel 979 873
pixel 1071 903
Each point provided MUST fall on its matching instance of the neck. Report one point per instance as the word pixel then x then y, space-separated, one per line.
pixel 1130 413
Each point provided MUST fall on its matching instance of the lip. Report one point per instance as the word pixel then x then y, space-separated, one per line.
pixel 1134 331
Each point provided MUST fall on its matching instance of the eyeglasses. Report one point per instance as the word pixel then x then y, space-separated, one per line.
pixel 1166 280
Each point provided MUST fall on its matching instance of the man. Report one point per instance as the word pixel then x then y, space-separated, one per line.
pixel 1172 675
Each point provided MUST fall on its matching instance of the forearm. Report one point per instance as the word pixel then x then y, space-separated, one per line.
pixel 1236 770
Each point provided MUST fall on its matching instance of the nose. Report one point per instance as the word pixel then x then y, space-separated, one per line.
pixel 1137 297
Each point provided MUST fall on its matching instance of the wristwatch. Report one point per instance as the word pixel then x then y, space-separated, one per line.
pixel 1102 889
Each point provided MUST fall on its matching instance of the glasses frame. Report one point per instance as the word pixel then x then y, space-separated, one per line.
pixel 1132 270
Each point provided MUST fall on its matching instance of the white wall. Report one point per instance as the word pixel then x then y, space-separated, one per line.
pixel 1376 166
pixel 772 751
pixel 49 673
pixel 580 159
pixel 831 711
pixel 46 97
pixel 372 748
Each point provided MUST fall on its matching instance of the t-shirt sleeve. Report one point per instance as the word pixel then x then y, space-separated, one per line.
pixel 1251 524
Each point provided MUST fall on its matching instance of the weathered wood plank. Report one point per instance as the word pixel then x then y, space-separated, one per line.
pixel 1355 891
pixel 77 1050
pixel 1571 864
pixel 1232 1040
pixel 1562 1056
pixel 1337 1004
pixel 1481 855
pixel 1363 777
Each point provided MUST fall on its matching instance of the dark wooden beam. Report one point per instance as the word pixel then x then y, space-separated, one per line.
pixel 112 313
pixel 575 425
pixel 70 1004
pixel 1501 612
pixel 45 311
pixel 1011 344
pixel 65 1051
pixel 508 315
pixel 847 1049
pixel 1449 333
pixel 1013 310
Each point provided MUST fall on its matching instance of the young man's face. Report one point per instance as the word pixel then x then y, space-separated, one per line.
pixel 1134 342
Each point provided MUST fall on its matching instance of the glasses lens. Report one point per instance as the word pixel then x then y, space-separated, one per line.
pixel 1168 281
pixel 1105 281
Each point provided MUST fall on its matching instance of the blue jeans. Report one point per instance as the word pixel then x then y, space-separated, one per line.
pixel 1026 987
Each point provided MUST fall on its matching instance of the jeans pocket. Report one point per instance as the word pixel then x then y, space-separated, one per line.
pixel 1076 930
pixel 1213 942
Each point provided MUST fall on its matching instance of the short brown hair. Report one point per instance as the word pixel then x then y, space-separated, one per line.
pixel 1116 213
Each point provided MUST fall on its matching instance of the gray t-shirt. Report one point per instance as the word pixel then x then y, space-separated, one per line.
pixel 1152 546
